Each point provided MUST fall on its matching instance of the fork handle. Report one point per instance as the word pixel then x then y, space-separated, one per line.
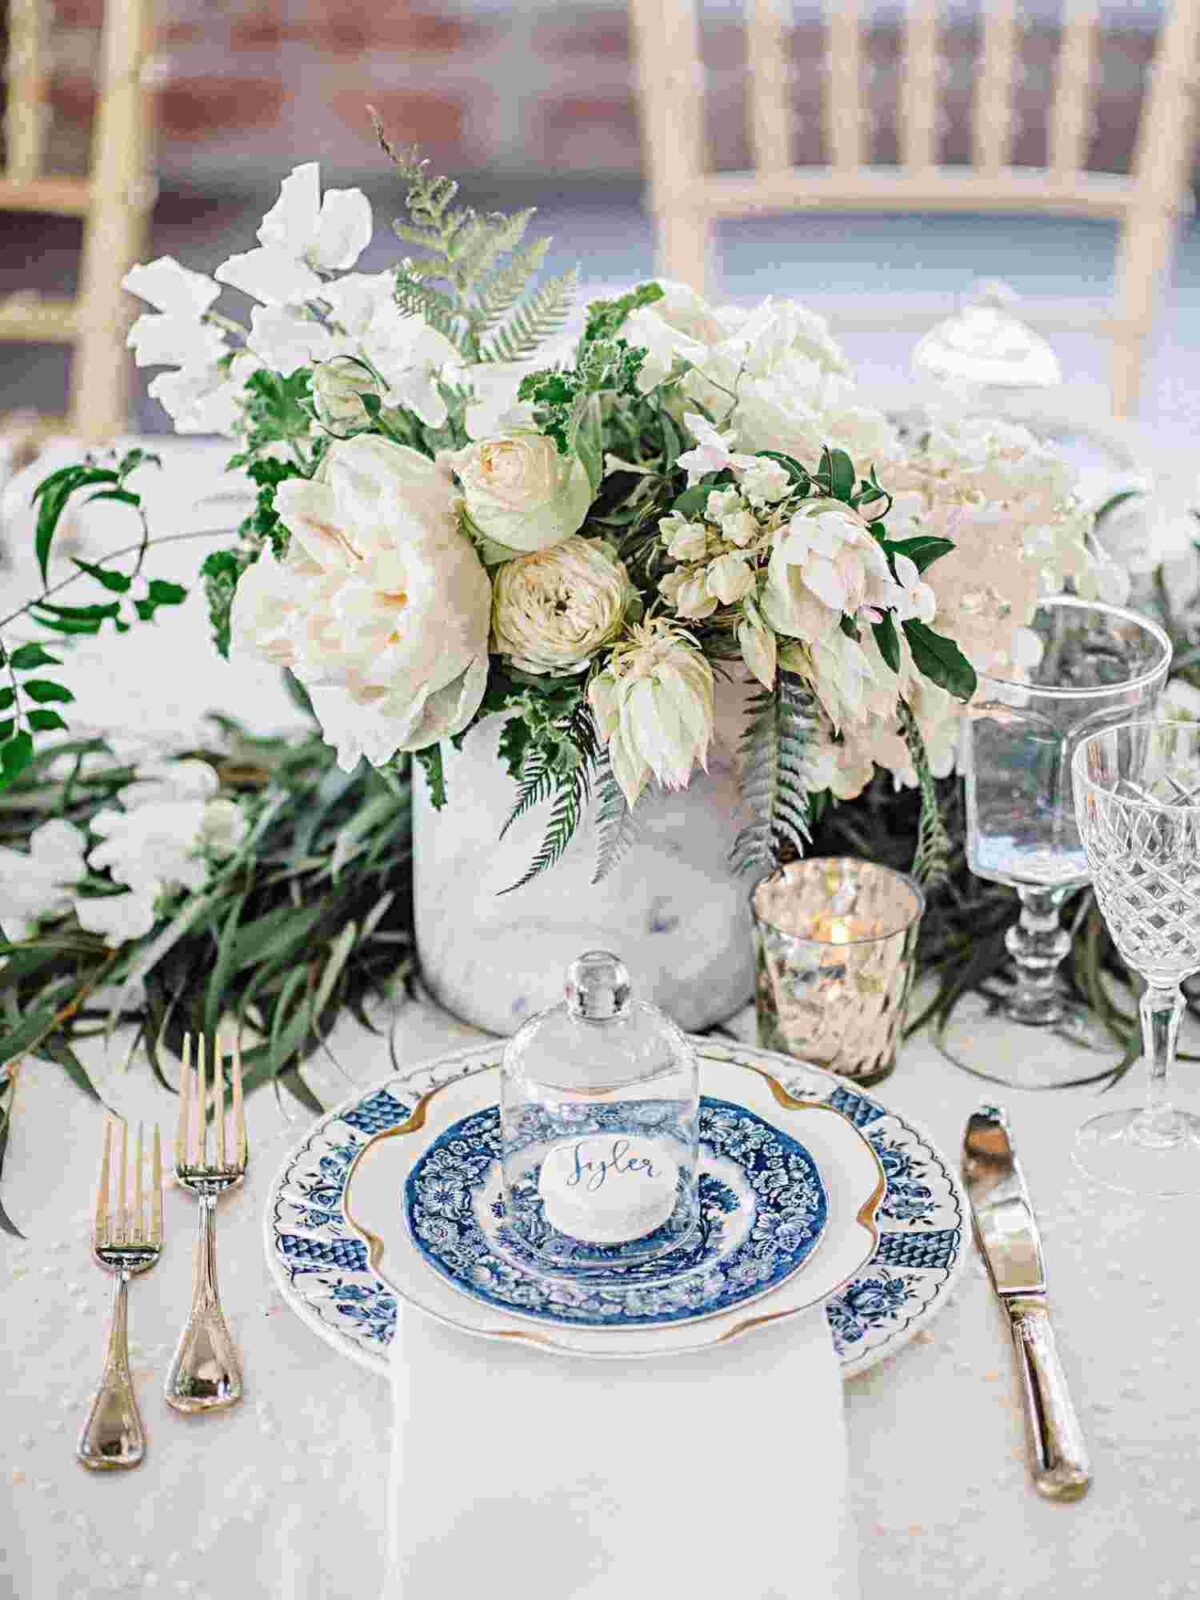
pixel 205 1373
pixel 112 1435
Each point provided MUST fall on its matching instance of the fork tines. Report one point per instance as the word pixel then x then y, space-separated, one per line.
pixel 128 1204
pixel 197 1102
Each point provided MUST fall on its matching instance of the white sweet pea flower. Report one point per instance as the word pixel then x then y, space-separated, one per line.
pixel 494 407
pixel 199 399
pixel 765 481
pixel 722 503
pixel 685 541
pixel 118 917
pixel 285 338
pixel 653 704
pixel 223 828
pixel 404 350
pixel 712 452
pixel 730 578
pixel 41 883
pixel 739 528
pixel 686 589
pixel 174 334
pixel 301 237
pixel 912 597
pixel 153 846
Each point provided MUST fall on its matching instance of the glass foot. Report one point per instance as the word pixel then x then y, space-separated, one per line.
pixel 983 1039
pixel 1140 1153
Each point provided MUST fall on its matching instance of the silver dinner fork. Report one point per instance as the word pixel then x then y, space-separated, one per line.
pixel 206 1374
pixel 126 1241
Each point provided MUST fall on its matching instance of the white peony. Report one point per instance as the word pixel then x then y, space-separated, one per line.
pixel 301 237
pixel 521 493
pixel 41 883
pixel 381 606
pixel 653 704
pixel 553 609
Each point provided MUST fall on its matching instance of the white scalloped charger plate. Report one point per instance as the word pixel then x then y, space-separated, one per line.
pixel 324 1271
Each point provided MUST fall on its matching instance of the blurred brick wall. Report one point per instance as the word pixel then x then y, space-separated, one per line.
pixel 533 87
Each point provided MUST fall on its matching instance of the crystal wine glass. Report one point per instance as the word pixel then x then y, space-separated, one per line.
pixel 1097 664
pixel 1137 797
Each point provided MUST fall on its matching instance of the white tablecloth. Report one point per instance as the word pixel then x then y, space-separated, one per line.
pixel 286 1497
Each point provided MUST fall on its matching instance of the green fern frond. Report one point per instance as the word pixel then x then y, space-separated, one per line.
pixel 536 783
pixel 931 859
pixel 415 298
pixel 775 781
pixel 615 825
pixel 504 288
pixel 534 319
pixel 566 813
pixel 484 239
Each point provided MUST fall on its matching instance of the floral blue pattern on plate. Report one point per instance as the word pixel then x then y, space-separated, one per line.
pixel 919 1256
pixel 763 1207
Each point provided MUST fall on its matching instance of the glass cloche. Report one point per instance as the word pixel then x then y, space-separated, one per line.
pixel 986 346
pixel 599 1119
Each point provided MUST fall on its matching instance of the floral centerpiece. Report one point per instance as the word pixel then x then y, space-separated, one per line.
pixel 458 515
pixel 467 509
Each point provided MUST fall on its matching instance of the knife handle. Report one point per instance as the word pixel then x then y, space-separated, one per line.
pixel 1058 1457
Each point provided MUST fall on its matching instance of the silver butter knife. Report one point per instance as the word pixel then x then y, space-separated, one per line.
pixel 1006 1229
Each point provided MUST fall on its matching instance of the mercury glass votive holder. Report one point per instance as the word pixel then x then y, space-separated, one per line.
pixel 835 942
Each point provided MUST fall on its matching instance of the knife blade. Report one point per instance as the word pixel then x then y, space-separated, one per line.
pixel 1007 1233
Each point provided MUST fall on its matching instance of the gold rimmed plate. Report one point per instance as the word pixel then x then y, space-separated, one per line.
pixel 423 1198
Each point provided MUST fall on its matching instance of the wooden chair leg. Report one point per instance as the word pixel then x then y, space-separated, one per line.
pixel 1126 372
pixel 685 249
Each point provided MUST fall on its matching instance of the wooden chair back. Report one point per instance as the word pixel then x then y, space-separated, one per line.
pixel 114 200
pixel 686 199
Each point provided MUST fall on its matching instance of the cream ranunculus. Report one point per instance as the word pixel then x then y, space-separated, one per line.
pixel 553 609
pixel 381 606
pixel 653 704
pixel 521 493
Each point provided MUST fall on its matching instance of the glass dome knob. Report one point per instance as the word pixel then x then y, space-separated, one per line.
pixel 597 986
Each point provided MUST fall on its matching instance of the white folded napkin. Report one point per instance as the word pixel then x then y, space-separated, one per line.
pixel 719 1475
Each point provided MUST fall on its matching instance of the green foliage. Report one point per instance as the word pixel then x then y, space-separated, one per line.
pixel 473 280
pixel 560 396
pixel 615 825
pixel 775 777
pixel 431 764
pixel 605 318
pixel 109 480
pixel 311 917
pixel 221 570
pixel 931 860
pixel 940 659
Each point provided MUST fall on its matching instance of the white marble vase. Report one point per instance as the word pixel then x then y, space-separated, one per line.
pixel 673 909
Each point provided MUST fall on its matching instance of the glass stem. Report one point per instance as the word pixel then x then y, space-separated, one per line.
pixel 1037 943
pixel 1162 1010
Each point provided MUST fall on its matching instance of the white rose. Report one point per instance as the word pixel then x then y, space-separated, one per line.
pixel 554 609
pixel 521 493
pixel 381 606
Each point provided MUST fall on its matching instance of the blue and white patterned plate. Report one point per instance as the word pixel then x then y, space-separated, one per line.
pixel 323 1270
pixel 762 1211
